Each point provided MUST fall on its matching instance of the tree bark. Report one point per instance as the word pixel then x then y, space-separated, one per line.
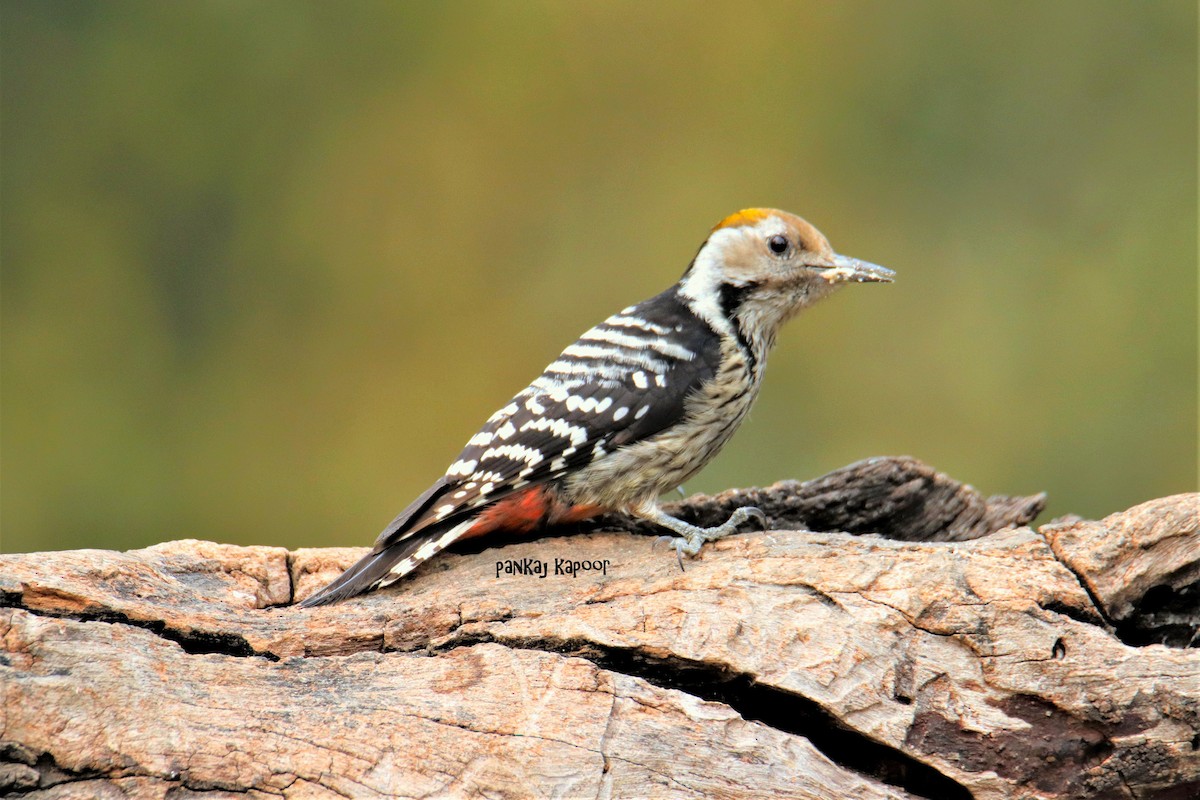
pixel 961 654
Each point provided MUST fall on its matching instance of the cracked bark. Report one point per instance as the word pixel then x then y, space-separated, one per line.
pixel 952 659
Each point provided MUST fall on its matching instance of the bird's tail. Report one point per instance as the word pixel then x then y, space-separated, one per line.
pixel 388 561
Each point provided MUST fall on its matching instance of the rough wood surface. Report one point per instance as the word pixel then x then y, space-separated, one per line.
pixel 785 663
pixel 900 498
pixel 1140 568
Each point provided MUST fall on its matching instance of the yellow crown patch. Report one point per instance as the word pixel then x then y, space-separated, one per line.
pixel 747 216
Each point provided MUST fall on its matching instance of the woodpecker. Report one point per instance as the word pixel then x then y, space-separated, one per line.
pixel 632 409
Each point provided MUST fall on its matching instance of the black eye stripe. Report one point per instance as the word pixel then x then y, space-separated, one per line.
pixel 778 244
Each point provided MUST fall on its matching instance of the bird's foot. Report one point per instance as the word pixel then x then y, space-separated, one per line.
pixel 692 537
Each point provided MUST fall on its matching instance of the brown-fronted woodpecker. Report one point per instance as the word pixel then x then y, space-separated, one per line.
pixel 633 408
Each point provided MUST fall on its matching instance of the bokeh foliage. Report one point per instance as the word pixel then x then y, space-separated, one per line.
pixel 267 265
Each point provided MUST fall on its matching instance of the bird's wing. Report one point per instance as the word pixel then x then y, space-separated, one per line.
pixel 623 381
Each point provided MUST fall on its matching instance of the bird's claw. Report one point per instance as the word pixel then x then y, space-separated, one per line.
pixel 679 544
pixel 757 515
pixel 694 538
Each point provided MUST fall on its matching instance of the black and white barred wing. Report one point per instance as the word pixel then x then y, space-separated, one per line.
pixel 622 381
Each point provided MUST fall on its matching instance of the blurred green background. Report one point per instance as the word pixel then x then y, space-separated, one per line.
pixel 266 266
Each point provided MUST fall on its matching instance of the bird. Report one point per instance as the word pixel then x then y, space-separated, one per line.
pixel 632 409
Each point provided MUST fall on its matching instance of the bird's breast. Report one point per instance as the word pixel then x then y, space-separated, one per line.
pixel 646 469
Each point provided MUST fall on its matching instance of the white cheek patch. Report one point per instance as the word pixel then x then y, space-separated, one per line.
pixel 700 285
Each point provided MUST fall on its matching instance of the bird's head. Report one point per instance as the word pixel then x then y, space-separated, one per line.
pixel 761 266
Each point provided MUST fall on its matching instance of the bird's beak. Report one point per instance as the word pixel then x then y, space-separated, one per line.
pixel 843 269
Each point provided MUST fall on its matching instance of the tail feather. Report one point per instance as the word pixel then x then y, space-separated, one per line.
pixel 387 561
pixel 408 521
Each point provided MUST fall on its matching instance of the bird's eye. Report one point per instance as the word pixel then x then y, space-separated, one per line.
pixel 778 244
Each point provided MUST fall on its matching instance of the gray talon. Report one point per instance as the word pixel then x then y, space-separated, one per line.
pixel 757 515
pixel 692 537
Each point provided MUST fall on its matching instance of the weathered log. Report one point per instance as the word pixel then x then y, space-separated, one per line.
pixel 899 498
pixel 785 662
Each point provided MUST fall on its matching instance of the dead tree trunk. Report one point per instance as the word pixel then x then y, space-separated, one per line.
pixel 958 654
